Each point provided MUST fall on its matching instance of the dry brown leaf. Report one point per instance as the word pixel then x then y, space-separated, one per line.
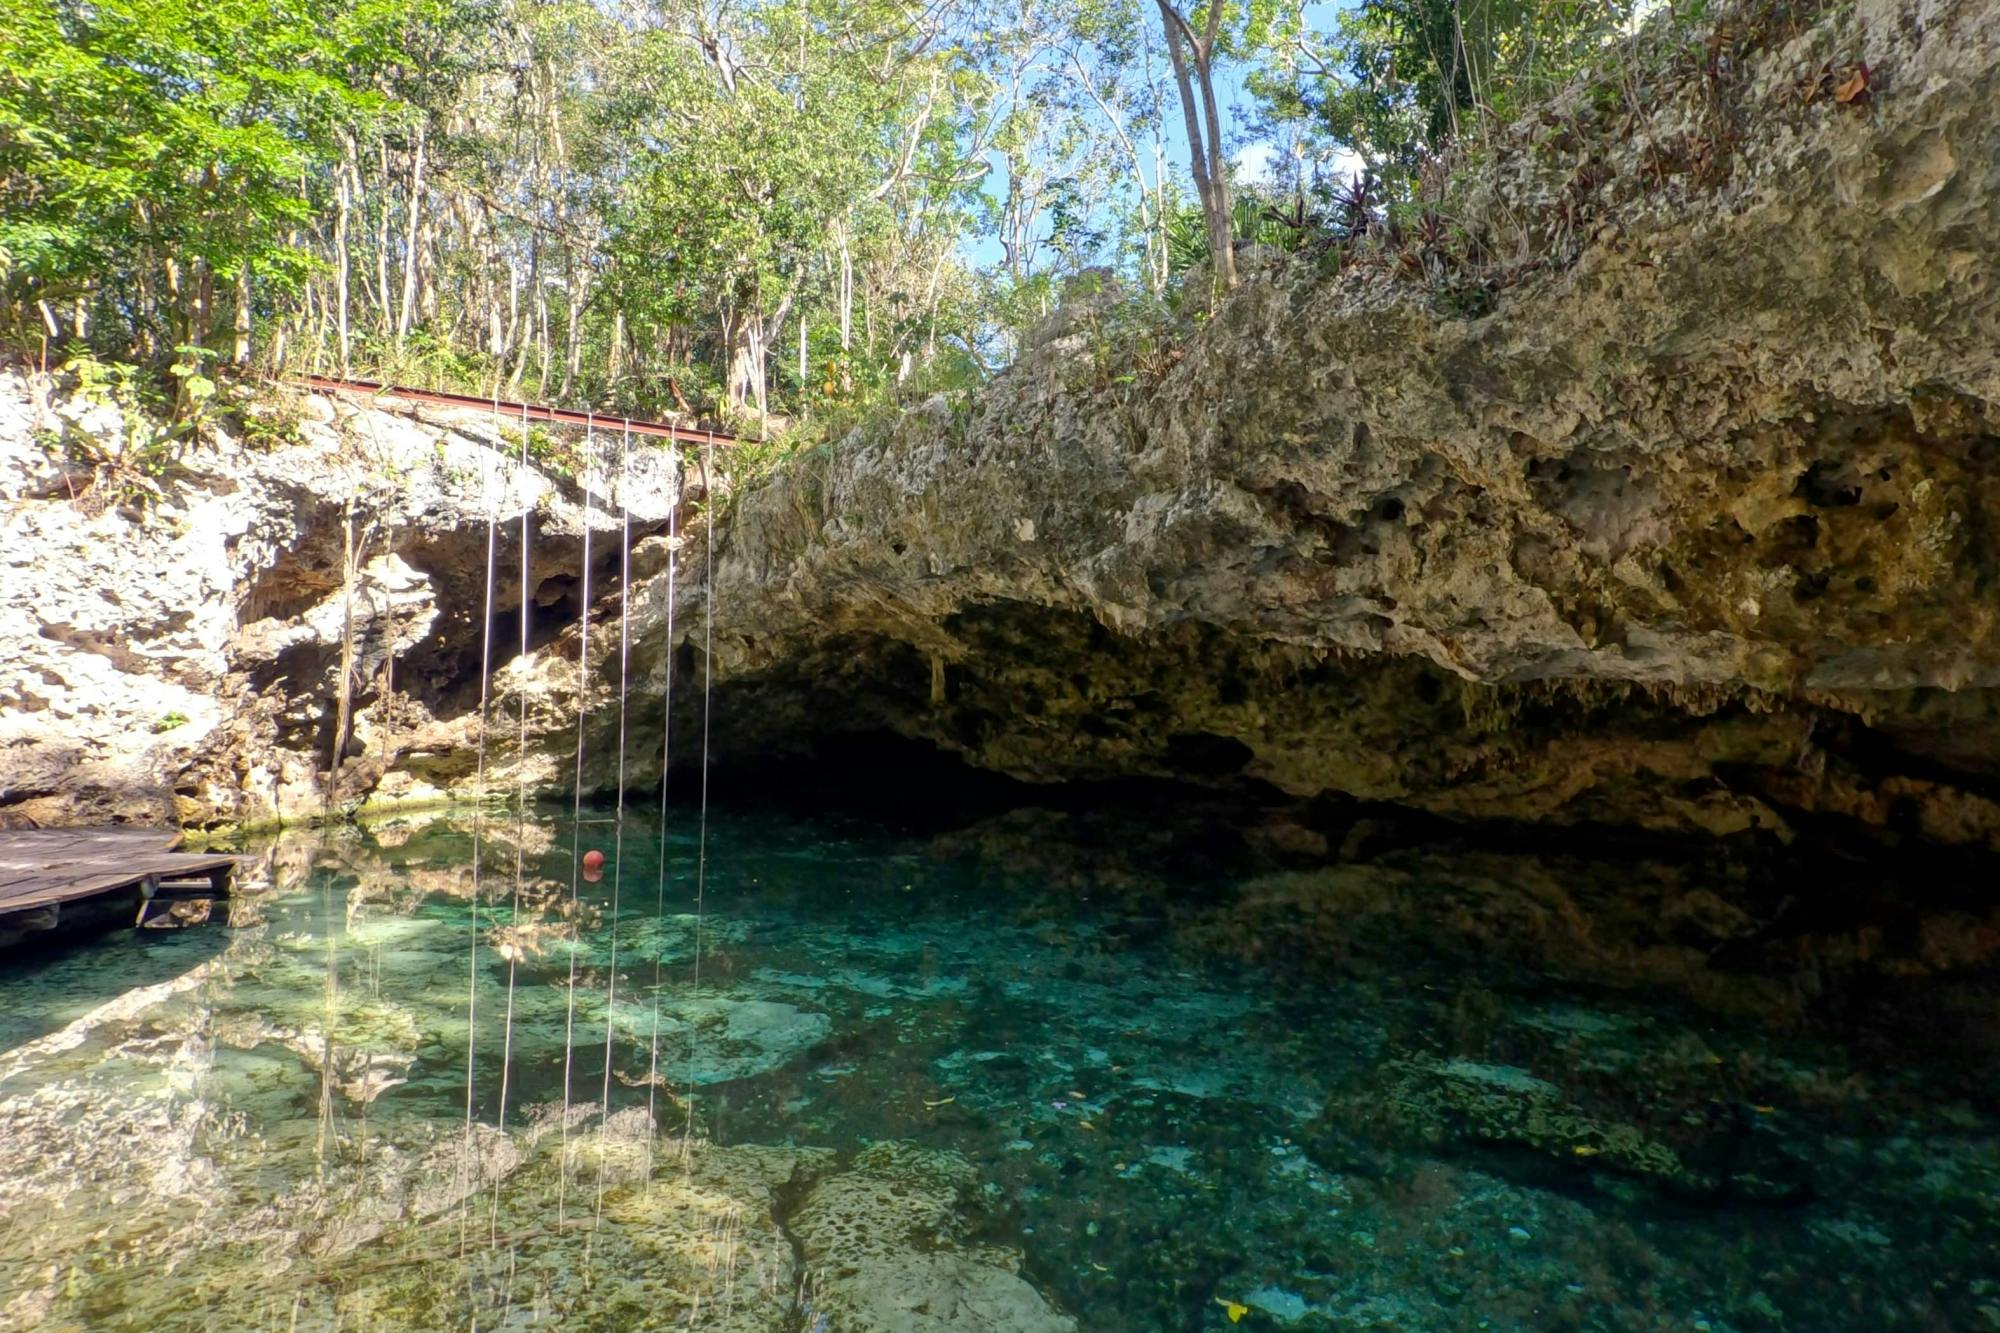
pixel 1854 87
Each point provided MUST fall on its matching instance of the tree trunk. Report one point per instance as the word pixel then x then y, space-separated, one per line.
pixel 496 337
pixel 542 339
pixel 735 344
pixel 204 303
pixel 312 314
pixel 1221 238
pixel 617 351
pixel 427 292
pixel 176 320
pixel 767 331
pixel 410 248
pixel 1205 150
pixel 846 312
pixel 342 262
pixel 759 348
pixel 239 352
pixel 525 338
pixel 747 340
pixel 147 300
pixel 579 297
pixel 383 312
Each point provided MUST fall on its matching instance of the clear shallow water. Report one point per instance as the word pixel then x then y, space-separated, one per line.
pixel 981 1082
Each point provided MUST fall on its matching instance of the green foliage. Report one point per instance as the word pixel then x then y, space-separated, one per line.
pixel 787 216
pixel 1399 81
pixel 129 468
pixel 195 390
pixel 1258 216
pixel 1133 342
pixel 113 384
pixel 749 463
pixel 266 422
pixel 164 144
pixel 547 450
pixel 168 722
pixel 1187 239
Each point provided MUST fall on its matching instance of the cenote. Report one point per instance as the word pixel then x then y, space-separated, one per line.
pixel 1047 1070
pixel 1000 667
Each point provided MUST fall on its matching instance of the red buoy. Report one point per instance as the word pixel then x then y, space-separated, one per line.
pixel 593 860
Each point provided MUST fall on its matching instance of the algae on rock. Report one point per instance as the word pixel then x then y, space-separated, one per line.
pixel 884 1251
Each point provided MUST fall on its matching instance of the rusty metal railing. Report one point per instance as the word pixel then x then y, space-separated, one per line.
pixel 517 411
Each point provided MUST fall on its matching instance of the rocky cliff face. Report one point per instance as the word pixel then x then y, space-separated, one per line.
pixel 1661 492
pixel 172 632
pixel 1692 529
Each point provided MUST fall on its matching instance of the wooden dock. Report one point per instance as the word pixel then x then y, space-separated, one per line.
pixel 62 879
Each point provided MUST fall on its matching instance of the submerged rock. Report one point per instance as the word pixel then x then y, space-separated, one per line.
pixel 1144 1131
pixel 1709 1152
pixel 719 1038
pixel 885 1251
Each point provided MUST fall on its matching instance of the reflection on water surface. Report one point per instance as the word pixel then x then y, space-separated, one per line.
pixel 989 1082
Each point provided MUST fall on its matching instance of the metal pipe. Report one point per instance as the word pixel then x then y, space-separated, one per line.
pixel 526 411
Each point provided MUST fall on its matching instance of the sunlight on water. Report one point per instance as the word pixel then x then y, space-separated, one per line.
pixel 924 1084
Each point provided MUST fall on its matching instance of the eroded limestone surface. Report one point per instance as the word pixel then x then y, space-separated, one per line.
pixel 1673 509
pixel 883 1244
pixel 1690 531
pixel 177 659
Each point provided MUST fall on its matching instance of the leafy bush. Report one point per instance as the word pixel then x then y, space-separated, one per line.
pixel 547 450
pixel 1400 81
pixel 129 469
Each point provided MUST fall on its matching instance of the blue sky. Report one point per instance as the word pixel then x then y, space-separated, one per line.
pixel 1253 158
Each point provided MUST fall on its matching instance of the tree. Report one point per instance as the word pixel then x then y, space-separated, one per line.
pixel 1193 55
pixel 759 207
pixel 151 154
pixel 1400 81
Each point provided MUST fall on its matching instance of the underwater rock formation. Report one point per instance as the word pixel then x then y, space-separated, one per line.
pixel 273 1135
pixel 881 1245
pixel 1709 1153
pixel 1035 1099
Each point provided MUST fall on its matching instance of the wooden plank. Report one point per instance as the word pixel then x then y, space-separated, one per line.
pixel 56 879
pixel 34 850
pixel 96 870
pixel 183 863
pixel 63 887
pixel 42 868
pixel 63 849
pixel 124 839
pixel 70 890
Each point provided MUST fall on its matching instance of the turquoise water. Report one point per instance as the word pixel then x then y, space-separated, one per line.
pixel 1007 1079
